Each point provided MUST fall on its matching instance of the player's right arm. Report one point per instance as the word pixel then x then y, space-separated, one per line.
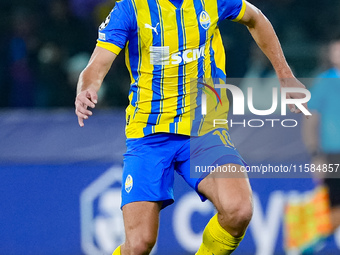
pixel 113 36
pixel 90 81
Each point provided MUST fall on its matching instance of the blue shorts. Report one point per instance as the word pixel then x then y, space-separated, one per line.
pixel 150 163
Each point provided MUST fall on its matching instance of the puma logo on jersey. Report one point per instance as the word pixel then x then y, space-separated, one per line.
pixel 152 28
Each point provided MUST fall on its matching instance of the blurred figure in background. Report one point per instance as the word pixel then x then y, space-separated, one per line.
pixel 322 130
pixel 35 48
pixel 74 66
pixel 64 29
pixel 63 36
pixel 21 55
pixel 84 8
pixel 52 77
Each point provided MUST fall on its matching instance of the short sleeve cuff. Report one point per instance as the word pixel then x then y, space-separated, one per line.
pixel 242 11
pixel 109 46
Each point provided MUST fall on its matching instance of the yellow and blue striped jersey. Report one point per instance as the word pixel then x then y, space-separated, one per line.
pixel 166 48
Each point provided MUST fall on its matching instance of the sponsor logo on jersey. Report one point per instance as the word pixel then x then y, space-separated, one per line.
pixel 161 55
pixel 205 20
pixel 128 183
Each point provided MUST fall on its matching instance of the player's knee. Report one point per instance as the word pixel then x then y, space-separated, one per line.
pixel 140 245
pixel 236 215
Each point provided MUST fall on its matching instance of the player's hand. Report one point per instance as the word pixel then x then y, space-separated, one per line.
pixel 293 83
pixel 85 99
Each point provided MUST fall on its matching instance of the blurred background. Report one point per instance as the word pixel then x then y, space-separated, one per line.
pixel 45 44
pixel 59 184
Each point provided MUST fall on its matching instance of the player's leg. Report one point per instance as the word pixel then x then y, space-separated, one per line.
pixel 148 175
pixel 229 191
pixel 232 198
pixel 141 227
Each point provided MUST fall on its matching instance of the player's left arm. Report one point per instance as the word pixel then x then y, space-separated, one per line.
pixel 264 35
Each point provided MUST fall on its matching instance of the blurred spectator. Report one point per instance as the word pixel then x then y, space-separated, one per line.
pixel 22 48
pixel 101 10
pixel 84 8
pixel 74 66
pixel 53 89
pixel 322 130
pixel 64 29
pixel 4 77
pixel 63 36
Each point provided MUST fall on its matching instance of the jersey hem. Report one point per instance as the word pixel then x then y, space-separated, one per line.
pixel 109 46
pixel 242 11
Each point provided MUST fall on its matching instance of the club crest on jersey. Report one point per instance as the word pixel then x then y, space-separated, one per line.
pixel 128 183
pixel 205 20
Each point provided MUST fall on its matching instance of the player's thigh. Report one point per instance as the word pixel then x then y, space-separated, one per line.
pixel 148 172
pixel 203 157
pixel 229 192
pixel 141 221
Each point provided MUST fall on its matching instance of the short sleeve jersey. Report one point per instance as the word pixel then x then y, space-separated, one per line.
pixel 166 48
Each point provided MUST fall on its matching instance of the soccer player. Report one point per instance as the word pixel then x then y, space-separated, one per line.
pixel 168 44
